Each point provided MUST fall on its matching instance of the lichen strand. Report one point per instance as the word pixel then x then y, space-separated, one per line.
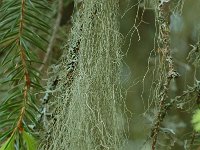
pixel 88 101
pixel 166 71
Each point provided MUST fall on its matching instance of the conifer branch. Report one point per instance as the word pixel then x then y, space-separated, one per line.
pixel 164 51
pixel 18 23
pixel 26 73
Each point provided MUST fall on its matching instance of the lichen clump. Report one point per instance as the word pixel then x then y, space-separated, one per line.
pixel 88 100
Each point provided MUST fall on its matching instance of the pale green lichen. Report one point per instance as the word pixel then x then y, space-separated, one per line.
pixel 88 109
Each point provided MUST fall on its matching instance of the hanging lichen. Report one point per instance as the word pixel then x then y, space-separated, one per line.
pixel 87 97
pixel 166 70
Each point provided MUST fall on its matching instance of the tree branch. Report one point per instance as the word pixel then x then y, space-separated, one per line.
pixel 53 37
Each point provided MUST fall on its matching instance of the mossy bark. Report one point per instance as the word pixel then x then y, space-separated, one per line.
pixel 88 101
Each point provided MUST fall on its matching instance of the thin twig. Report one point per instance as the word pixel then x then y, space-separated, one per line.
pixel 53 37
pixel 166 58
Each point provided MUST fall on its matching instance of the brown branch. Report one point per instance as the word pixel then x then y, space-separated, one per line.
pixel 53 37
pixel 166 58
pixel 26 73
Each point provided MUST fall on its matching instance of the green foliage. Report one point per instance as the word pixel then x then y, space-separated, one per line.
pixel 9 144
pixel 30 141
pixel 196 120
pixel 23 25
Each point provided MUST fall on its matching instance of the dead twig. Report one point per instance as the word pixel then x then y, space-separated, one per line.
pixel 53 37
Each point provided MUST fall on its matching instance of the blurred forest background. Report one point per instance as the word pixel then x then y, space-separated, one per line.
pixel 139 29
pixel 138 26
